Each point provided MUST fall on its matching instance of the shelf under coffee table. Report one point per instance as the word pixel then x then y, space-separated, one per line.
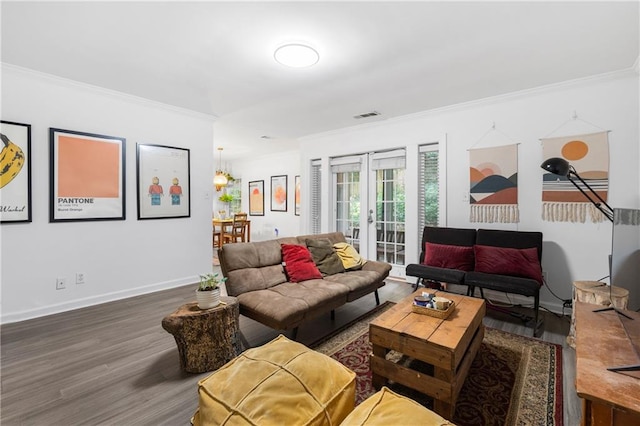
pixel 449 345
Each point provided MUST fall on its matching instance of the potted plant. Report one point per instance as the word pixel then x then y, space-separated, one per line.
pixel 208 291
pixel 227 199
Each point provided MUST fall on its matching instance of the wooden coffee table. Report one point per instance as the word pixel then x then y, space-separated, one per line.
pixel 450 345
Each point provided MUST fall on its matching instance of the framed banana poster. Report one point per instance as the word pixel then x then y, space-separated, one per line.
pixel 87 175
pixel 163 182
pixel 15 172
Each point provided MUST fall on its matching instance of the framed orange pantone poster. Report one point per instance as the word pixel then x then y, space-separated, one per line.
pixel 87 174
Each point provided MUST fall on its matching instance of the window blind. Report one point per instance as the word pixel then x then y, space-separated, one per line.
pixel 388 160
pixel 429 195
pixel 316 185
pixel 345 164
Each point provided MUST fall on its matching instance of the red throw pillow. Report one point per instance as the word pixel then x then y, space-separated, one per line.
pixel 448 256
pixel 298 263
pixel 508 261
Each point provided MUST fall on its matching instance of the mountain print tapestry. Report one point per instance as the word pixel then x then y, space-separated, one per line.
pixel 493 174
pixel 588 154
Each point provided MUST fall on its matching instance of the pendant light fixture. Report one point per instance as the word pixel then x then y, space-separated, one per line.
pixel 220 180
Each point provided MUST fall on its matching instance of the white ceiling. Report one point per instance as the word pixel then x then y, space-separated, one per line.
pixel 393 57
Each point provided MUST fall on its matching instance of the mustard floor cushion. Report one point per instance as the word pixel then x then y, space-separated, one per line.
pixel 280 383
pixel 385 408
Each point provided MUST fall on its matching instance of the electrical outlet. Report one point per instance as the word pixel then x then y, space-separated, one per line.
pixel 61 283
pixel 544 276
pixel 80 278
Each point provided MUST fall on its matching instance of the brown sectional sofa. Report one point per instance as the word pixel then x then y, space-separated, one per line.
pixel 256 276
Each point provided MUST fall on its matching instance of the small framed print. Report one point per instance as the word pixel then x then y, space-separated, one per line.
pixel 279 193
pixel 296 193
pixel 15 172
pixel 163 182
pixel 256 198
pixel 87 175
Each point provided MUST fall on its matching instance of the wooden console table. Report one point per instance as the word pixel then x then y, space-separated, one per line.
pixel 608 398
pixel 598 293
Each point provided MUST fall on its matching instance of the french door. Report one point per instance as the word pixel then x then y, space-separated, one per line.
pixel 369 205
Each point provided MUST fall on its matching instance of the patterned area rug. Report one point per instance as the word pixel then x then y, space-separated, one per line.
pixel 514 380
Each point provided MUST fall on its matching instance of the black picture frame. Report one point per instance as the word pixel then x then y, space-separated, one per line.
pixel 15 165
pixel 256 198
pixel 296 195
pixel 279 193
pixel 159 166
pixel 87 176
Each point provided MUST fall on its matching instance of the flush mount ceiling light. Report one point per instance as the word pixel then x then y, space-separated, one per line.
pixel 296 55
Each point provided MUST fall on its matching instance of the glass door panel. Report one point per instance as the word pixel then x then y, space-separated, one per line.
pixel 390 216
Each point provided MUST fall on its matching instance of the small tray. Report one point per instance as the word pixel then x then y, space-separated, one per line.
pixel 432 312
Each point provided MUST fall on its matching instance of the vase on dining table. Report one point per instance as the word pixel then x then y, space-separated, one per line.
pixel 222 214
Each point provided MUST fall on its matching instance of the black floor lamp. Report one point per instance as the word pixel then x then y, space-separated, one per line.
pixel 561 167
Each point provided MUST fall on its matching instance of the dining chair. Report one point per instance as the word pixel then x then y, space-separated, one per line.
pixel 217 236
pixel 237 233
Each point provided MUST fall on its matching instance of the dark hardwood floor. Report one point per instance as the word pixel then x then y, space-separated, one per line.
pixel 113 364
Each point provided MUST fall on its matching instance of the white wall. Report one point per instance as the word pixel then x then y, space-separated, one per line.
pixel 119 258
pixel 571 251
pixel 262 168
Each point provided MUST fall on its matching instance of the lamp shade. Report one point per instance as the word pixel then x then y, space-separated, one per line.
pixel 220 180
pixel 557 166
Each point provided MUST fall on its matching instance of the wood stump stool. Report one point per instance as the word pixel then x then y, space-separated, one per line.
pixel 206 339
pixel 596 293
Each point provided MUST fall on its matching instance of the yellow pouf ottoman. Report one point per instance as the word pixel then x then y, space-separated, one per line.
pixel 280 383
pixel 386 408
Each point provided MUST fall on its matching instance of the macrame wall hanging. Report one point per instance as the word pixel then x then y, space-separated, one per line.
pixel 493 182
pixel 588 154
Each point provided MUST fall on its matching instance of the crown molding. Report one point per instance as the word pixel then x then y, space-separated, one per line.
pixel 66 82
pixel 553 87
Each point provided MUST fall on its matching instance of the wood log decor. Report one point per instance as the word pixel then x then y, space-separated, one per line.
pixel 206 339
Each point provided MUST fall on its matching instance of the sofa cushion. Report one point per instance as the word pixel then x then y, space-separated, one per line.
pixel 504 283
pixel 272 308
pixel 386 407
pixel 324 256
pixel 298 263
pixel 444 275
pixel 351 259
pixel 248 390
pixel 288 304
pixel 508 261
pixel 252 266
pixel 448 256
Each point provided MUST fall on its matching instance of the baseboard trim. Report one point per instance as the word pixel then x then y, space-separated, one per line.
pixel 91 301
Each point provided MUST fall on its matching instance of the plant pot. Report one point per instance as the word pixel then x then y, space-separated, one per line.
pixel 208 299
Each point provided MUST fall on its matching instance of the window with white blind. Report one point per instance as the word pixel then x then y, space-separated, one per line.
pixel 316 187
pixel 429 194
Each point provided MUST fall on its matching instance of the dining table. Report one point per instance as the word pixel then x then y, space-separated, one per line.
pixel 227 223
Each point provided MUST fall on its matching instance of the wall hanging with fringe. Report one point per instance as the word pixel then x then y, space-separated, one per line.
pixel 493 176
pixel 588 154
